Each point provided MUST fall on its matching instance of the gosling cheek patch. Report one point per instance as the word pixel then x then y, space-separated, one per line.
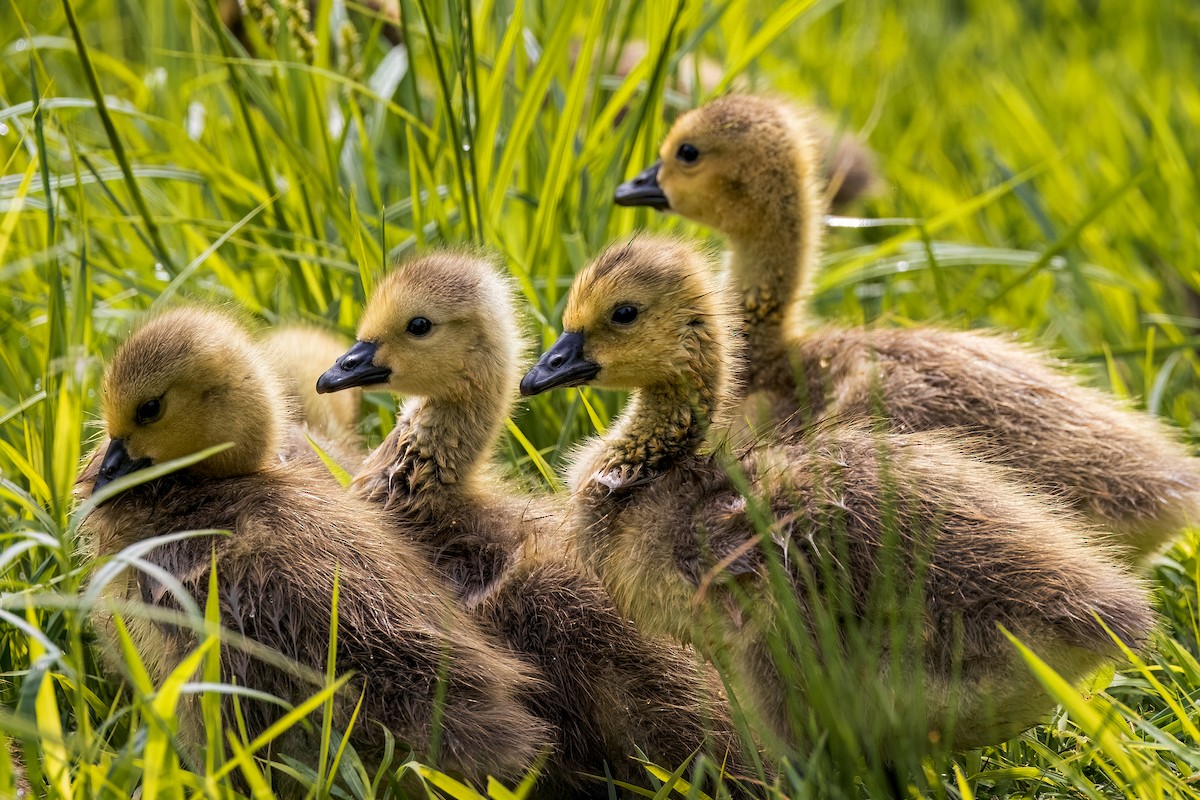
pixel 355 368
pixel 643 190
pixel 561 365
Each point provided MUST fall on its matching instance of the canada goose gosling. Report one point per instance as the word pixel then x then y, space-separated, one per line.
pixel 190 379
pixel 746 166
pixel 442 332
pixel 656 510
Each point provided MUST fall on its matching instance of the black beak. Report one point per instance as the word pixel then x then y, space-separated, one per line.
pixel 117 463
pixel 643 190
pixel 561 365
pixel 355 368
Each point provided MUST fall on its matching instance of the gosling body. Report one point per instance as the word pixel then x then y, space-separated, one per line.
pixel 659 514
pixel 748 167
pixel 190 379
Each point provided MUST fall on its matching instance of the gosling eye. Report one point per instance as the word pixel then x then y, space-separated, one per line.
pixel 419 326
pixel 624 315
pixel 687 153
pixel 148 411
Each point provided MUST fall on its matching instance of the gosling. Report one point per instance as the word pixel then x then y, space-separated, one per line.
pixel 297 353
pixel 191 379
pixel 442 331
pixel 747 166
pixel 658 515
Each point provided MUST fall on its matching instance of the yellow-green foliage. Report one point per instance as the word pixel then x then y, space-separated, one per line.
pixel 1038 166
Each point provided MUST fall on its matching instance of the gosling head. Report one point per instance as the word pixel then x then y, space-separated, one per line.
pixel 440 326
pixel 637 316
pixel 733 164
pixel 187 380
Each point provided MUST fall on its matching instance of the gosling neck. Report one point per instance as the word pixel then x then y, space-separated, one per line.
pixel 668 423
pixel 439 444
pixel 773 262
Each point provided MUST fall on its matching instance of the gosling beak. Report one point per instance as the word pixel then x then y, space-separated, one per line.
pixel 643 190
pixel 117 463
pixel 561 365
pixel 355 368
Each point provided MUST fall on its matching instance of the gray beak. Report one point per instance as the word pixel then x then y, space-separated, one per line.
pixel 117 463
pixel 643 190
pixel 561 365
pixel 355 368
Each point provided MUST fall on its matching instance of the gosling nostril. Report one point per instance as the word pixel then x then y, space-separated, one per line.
pixel 556 360
pixel 349 364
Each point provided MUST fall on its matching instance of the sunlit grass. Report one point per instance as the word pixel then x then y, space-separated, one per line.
pixel 1046 152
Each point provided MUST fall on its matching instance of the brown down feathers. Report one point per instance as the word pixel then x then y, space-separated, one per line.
pixel 291 529
pixel 757 180
pixel 661 518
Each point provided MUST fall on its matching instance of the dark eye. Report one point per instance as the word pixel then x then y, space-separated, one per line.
pixel 148 411
pixel 624 315
pixel 687 153
pixel 419 326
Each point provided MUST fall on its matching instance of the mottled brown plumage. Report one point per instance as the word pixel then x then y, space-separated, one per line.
pixel 756 178
pixel 661 519
pixel 190 379
pixel 502 549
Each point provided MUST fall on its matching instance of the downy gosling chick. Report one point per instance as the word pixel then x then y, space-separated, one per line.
pixel 191 379
pixel 747 167
pixel 298 354
pixel 442 331
pixel 658 515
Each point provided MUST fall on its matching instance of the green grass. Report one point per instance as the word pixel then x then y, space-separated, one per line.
pixel 1044 152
